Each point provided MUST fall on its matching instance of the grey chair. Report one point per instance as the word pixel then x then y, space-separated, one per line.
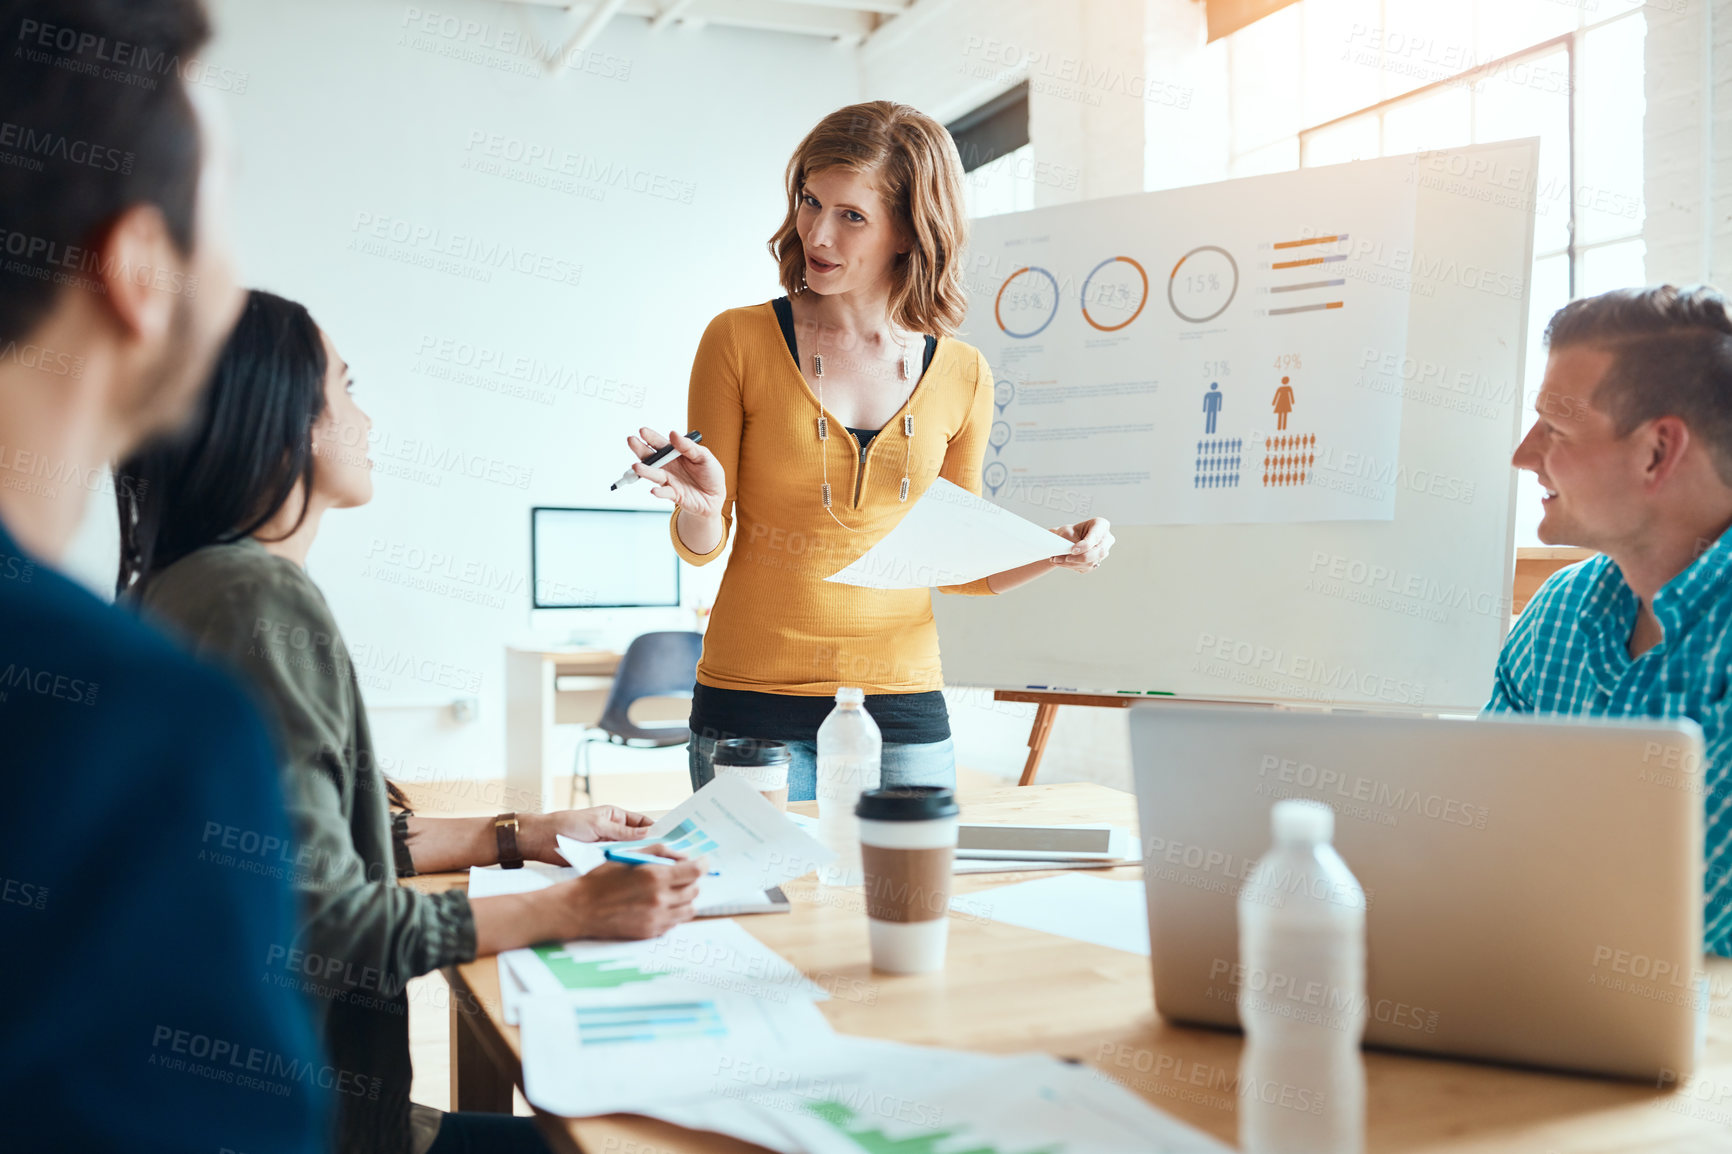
pixel 655 665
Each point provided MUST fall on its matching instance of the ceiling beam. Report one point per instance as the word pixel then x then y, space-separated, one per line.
pixel 849 24
pixel 842 20
pixel 591 27
pixel 669 14
pixel 886 7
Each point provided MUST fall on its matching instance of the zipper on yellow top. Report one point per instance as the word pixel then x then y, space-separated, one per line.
pixel 860 469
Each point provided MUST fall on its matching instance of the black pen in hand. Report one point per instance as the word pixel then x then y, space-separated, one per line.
pixel 656 458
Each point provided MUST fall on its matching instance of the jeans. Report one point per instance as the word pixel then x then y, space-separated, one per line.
pixel 929 763
pixel 474 1132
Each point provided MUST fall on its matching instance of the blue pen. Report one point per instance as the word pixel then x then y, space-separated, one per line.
pixel 637 857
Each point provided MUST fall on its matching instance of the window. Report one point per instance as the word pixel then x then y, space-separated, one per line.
pixel 1327 81
pixel 1001 185
pixel 996 154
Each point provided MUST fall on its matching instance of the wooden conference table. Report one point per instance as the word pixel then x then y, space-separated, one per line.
pixel 1008 989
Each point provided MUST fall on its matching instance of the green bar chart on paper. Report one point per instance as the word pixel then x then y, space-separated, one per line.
pixel 666 1022
pixel 576 975
pixel 873 1140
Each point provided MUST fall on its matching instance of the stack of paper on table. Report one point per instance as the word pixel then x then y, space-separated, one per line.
pixel 707 1028
pixel 713 957
pixel 798 1088
pixel 965 865
pixel 493 882
pixel 973 865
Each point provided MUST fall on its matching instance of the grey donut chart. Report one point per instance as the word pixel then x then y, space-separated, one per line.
pixel 1174 275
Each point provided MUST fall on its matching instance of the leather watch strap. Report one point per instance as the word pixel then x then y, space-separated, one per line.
pixel 505 829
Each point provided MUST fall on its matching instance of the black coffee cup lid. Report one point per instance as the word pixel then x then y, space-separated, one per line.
pixel 908 803
pixel 750 751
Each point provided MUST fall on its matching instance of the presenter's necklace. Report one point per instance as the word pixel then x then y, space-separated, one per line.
pixel 824 432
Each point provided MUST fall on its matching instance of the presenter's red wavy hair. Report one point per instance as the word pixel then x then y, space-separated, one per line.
pixel 913 162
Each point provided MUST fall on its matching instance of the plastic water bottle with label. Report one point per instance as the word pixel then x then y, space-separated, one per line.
pixel 849 750
pixel 1302 992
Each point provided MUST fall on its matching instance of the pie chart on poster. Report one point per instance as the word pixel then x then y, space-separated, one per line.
pixel 1114 293
pixel 1026 302
pixel 1202 284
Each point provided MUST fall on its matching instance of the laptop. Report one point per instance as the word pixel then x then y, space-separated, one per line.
pixel 1534 888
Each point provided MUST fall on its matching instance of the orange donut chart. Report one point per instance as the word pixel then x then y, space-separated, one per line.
pixel 999 300
pixel 1085 294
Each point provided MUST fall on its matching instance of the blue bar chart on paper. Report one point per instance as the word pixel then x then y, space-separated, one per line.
pixel 687 837
pixel 663 1022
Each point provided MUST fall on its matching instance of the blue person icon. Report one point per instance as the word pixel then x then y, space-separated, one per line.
pixel 1211 406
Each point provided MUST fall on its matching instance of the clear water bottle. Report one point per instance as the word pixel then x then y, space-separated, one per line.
pixel 849 750
pixel 1302 992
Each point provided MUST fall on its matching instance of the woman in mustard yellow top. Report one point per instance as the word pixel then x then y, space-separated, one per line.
pixel 825 415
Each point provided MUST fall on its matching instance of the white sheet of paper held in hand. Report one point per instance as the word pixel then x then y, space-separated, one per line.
pixel 750 842
pixel 950 537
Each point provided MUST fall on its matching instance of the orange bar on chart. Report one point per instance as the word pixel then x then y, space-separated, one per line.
pixel 1310 240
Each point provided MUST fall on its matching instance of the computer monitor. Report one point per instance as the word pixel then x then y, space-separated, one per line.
pixel 602 559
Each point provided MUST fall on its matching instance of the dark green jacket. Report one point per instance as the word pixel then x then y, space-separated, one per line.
pixel 362 936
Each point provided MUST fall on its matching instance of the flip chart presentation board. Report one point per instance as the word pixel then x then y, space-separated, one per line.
pixel 1295 397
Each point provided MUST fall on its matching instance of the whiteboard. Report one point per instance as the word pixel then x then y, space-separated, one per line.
pixel 1406 612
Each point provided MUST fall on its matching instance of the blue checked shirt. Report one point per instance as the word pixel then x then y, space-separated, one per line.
pixel 1569 653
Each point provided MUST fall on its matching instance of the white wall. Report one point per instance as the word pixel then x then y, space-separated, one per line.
pixel 355 117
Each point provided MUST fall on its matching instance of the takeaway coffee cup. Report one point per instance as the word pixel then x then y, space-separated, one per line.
pixel 763 765
pixel 907 841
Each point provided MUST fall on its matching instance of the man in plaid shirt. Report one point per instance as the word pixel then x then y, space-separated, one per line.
pixel 1634 449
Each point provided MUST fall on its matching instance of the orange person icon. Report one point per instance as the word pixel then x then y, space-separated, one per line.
pixel 1283 403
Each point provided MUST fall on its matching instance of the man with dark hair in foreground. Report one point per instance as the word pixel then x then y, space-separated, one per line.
pixel 1634 448
pixel 144 850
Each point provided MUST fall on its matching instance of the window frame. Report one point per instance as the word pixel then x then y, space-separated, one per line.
pixel 1570 43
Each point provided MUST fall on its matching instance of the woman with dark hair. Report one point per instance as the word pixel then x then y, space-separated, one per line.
pixel 215 535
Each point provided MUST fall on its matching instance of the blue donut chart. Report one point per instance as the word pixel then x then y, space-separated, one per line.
pixel 998 301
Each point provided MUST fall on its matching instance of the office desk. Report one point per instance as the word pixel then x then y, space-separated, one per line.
pixel 536 701
pixel 1008 989
pixel 532 708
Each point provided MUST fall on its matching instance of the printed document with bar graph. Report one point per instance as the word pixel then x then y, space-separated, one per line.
pixel 683 964
pixel 751 845
pixel 1197 355
pixel 627 1047
pixel 835 1094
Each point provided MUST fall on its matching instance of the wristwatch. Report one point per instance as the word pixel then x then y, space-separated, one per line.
pixel 505 829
